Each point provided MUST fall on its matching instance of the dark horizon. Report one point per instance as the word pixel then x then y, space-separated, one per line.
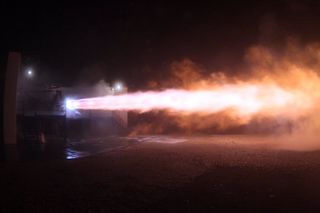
pixel 135 42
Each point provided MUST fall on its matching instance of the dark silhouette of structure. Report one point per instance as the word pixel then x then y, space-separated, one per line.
pixel 9 102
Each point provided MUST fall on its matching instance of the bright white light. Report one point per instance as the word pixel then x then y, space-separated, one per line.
pixel 118 86
pixel 71 104
pixel 29 73
pixel 90 103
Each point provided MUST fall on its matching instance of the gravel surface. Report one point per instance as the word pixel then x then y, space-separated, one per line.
pixel 154 176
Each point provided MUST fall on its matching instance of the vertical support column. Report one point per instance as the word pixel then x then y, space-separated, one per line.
pixel 9 101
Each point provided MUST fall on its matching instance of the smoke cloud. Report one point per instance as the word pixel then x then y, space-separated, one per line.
pixel 277 92
pixel 294 69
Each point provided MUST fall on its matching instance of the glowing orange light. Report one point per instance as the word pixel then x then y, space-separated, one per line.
pixel 242 100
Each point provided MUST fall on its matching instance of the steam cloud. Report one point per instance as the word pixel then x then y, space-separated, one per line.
pixel 279 92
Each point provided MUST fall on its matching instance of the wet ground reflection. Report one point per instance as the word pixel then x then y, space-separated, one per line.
pixel 73 149
pixel 70 149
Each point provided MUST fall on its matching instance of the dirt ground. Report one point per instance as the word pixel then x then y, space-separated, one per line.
pixel 159 177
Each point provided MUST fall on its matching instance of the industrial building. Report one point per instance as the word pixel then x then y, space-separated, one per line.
pixel 35 112
pixel 42 115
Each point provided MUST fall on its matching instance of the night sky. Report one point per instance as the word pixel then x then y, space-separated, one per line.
pixel 83 42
